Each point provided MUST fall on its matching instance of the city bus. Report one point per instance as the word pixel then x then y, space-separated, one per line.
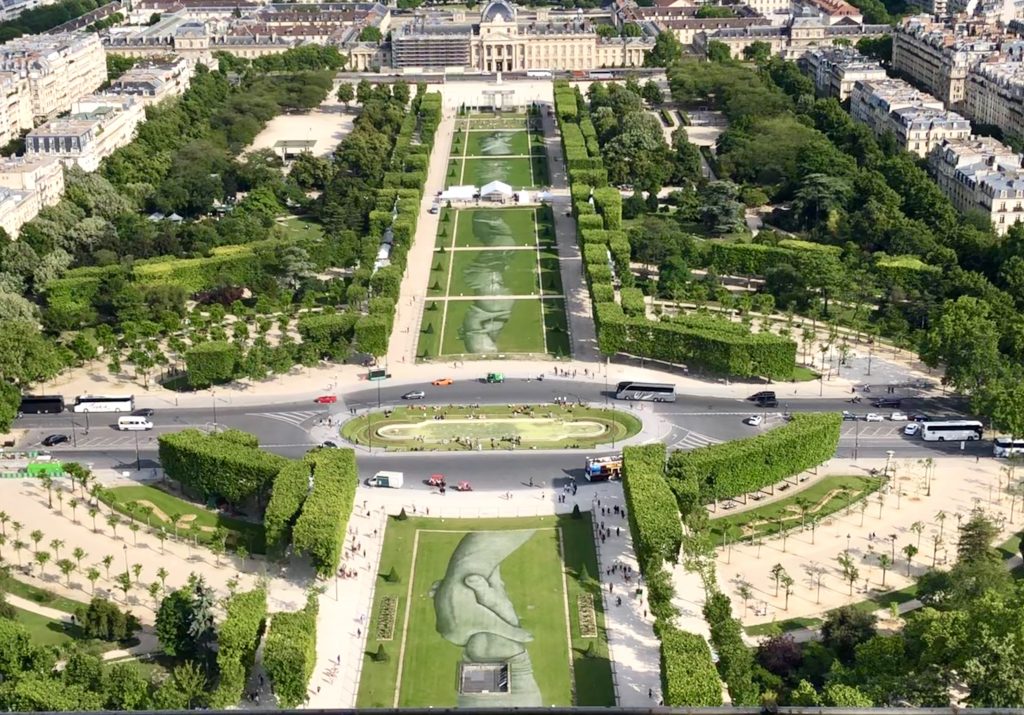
pixel 1007 447
pixel 601 469
pixel 951 431
pixel 104 403
pixel 41 404
pixel 652 391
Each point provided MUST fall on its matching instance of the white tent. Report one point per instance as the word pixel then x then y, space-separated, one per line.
pixel 524 197
pixel 458 193
pixel 496 190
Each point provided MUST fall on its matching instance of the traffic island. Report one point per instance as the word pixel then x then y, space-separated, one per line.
pixel 490 427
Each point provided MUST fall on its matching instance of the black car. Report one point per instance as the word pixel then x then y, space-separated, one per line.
pixel 849 416
pixel 329 445
pixel 54 439
pixel 144 412
pixel 920 418
pixel 886 402
pixel 762 396
pixel 767 400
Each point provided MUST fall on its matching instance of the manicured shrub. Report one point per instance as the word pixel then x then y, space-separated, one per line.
pixel 290 487
pixel 653 515
pixel 290 653
pixel 688 676
pixel 237 640
pixel 211 363
pixel 321 526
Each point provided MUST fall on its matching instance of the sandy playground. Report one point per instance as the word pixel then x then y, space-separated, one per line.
pixel 327 125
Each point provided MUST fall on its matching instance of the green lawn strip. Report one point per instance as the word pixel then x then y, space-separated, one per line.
pixel 301 227
pixel 202 525
pixel 454 175
pixel 533 579
pixel 540 170
pixel 623 424
pixel 556 325
pixel 476 228
pixel 514 172
pixel 459 142
pixel 47 631
pixel 429 344
pixel 804 374
pixel 445 227
pixel 824 497
pixel 38 595
pixel 550 272
pixel 436 284
pixel 494 273
pixel 521 332
pixel 499 142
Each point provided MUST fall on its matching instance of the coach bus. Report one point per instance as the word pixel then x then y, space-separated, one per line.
pixel 951 431
pixel 41 404
pixel 1007 447
pixel 104 403
pixel 651 391
pixel 539 74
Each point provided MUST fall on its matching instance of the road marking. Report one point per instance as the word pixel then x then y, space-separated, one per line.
pixel 292 418
pixel 694 440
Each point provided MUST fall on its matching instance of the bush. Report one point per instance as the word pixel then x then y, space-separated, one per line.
pixel 290 653
pixel 653 515
pixel 218 465
pixel 102 619
pixel 237 640
pixel 723 471
pixel 687 673
pixel 735 660
pixel 633 303
pixel 289 493
pixel 211 363
pixel 321 526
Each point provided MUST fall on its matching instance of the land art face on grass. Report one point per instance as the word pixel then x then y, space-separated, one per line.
pixel 497 144
pixel 473 610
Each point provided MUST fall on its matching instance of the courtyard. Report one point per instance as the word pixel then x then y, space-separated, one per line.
pixel 487 613
pixel 494 286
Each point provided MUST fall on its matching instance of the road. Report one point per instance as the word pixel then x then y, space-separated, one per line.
pixel 284 429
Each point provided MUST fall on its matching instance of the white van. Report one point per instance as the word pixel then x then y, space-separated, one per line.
pixel 393 480
pixel 133 423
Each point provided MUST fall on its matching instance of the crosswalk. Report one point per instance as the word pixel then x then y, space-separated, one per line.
pixel 693 440
pixel 874 430
pixel 295 419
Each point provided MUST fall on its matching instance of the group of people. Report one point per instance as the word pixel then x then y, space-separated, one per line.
pixel 568 490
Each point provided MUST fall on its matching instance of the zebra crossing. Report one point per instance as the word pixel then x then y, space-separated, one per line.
pixel 295 419
pixel 693 440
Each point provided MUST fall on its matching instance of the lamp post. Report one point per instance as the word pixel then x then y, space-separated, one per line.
pixel 74 432
pixel 126 558
pixel 213 400
pixel 888 460
pixel 138 457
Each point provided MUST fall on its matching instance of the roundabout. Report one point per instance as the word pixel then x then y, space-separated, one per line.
pixel 490 427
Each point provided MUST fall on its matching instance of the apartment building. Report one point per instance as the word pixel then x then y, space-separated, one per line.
pixel 58 68
pixel 15 106
pixel 938 55
pixel 836 69
pixel 10 9
pixel 153 81
pixel 796 36
pixel 995 95
pixel 98 125
pixel 27 184
pixel 981 174
pixel 917 120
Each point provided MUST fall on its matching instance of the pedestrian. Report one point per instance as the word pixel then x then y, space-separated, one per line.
pixel 645 613
pixel 318 690
pixel 359 632
pixel 602 538
pixel 618 601
pixel 617 531
pixel 531 481
pixel 610 589
pixel 650 693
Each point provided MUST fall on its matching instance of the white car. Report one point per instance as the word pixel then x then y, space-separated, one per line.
pixel 754 420
pixel 913 429
pixel 873 417
pixel 898 417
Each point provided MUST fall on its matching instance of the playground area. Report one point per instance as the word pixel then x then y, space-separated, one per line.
pixel 318 131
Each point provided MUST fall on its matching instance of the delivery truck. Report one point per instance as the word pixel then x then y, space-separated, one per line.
pixel 392 480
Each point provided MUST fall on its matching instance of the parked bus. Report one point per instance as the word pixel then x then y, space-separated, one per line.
pixel 601 469
pixel 951 431
pixel 41 404
pixel 1007 447
pixel 652 391
pixel 104 403
pixel 540 74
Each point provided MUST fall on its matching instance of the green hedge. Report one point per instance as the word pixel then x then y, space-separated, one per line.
pixel 215 465
pixel 321 526
pixel 602 292
pixel 723 471
pixel 653 515
pixel 633 303
pixel 290 487
pixel 330 334
pixel 589 221
pixel 688 676
pixel 735 660
pixel 290 653
pixel 211 363
pixel 595 253
pixel 609 204
pixel 237 640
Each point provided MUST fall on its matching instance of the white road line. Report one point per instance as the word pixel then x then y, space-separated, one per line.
pixel 291 418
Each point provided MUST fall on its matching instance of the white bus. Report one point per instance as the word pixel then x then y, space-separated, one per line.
pixel 134 423
pixel 952 431
pixel 540 74
pixel 104 403
pixel 1007 447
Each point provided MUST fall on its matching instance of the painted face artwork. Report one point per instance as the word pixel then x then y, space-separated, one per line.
pixel 486 317
pixel 497 144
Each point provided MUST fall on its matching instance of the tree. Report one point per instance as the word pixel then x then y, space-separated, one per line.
pixel 910 551
pixel 370 34
pixel 25 356
pixel 719 52
pixel 844 629
pixel 36 535
pixel 721 211
pixel 787 582
pixel 42 558
pixel 102 619
pixel 846 696
pixel 125 687
pixel 346 93
pixel 777 573
pixel 66 566
pixel 976 537
pixel 190 681
pixel 884 563
pixel 667 50
pixel 107 561
pixel 779 655
pixel 93 512
pixel 56 545
pixel 124 582
pixel 161 573
pixel 112 521
pixel 850 571
pixel 651 93
pixel 758 52
pixel 18 545
pixel 918 528
pixel 93 575
pixel 965 339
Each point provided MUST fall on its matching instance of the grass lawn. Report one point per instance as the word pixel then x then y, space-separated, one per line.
pixel 804 374
pixel 491 228
pixel 822 498
pixel 498 142
pixel 480 172
pixel 429 344
pixel 556 326
pixel 539 164
pixel 11 585
pixel 203 521
pixel 533 577
pixel 520 333
pixel 493 273
pixel 438 282
pixel 301 227
pixel 45 631
pixel 550 273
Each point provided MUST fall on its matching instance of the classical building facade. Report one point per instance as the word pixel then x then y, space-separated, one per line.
pixel 995 95
pixel 981 174
pixel 97 126
pixel 836 69
pixel 505 41
pixel 27 184
pixel 58 68
pixel 917 120
pixel 153 81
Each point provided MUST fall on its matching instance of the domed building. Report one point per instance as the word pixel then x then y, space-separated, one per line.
pixel 505 39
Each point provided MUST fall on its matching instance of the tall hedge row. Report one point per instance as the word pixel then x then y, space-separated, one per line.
pixel 214 466
pixel 290 653
pixel 727 470
pixel 687 673
pixel 237 640
pixel 321 526
pixel 290 487
pixel 211 363
pixel 653 517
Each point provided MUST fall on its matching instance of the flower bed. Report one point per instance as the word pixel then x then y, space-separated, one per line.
pixel 587 615
pixel 387 617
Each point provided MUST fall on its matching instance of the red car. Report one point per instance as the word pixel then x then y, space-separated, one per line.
pixel 326 399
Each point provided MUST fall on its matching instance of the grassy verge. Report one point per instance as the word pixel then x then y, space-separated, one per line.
pixel 46 631
pixel 533 578
pixel 195 521
pixel 40 596
pixel 617 425
pixel 804 374
pixel 824 497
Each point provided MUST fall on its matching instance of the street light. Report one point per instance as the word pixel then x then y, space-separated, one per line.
pixel 213 399
pixel 888 460
pixel 138 457
pixel 126 558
